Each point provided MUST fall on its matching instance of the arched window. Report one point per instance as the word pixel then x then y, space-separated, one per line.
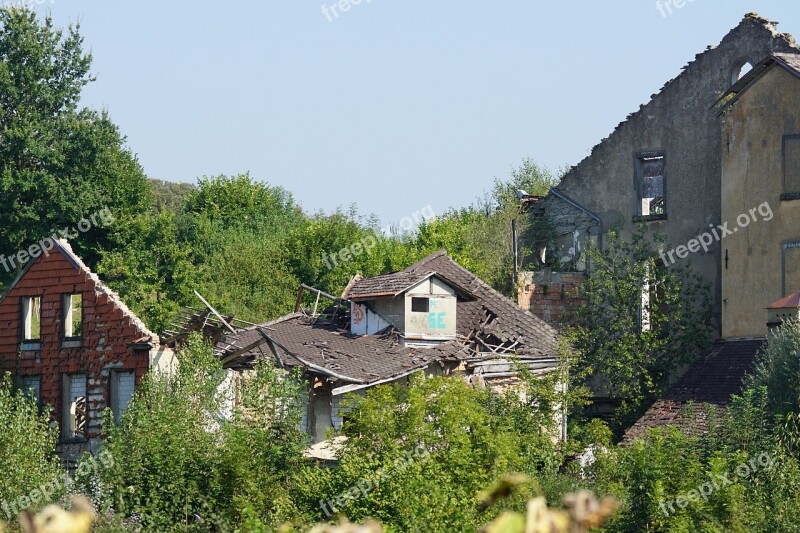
pixel 741 68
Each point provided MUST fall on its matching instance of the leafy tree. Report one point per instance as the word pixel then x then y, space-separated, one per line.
pixel 169 196
pixel 639 322
pixel 164 450
pixel 778 369
pixel 184 461
pixel 528 177
pixel 60 164
pixel 155 272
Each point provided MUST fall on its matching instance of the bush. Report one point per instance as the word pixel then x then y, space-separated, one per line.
pixel 27 446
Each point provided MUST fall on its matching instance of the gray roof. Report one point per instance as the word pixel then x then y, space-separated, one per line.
pixel 490 313
pixel 303 341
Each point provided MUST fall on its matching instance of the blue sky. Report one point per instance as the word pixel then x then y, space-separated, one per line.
pixel 390 105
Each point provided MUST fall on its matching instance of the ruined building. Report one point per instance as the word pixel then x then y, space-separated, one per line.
pixel 72 343
pixel 662 166
pixel 711 162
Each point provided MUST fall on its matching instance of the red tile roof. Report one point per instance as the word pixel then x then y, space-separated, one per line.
pixel 793 300
pixel 708 384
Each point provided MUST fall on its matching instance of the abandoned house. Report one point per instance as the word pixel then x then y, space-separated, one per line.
pixel 70 341
pixel 434 317
pixel 715 152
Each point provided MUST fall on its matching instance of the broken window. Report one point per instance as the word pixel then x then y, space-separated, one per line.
pixel 72 305
pixel 74 412
pixel 791 167
pixel 123 384
pixel 650 184
pixel 419 305
pixel 31 319
pixel 32 386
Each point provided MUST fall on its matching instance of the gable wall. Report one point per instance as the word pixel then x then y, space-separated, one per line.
pixel 679 121
pixel 106 336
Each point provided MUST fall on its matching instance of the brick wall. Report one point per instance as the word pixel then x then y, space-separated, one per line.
pixel 108 332
pixel 551 296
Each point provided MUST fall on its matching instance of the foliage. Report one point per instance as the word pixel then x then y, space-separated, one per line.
pixel 419 454
pixel 778 369
pixel 639 322
pixel 60 164
pixel 26 446
pixel 163 448
pixel 184 461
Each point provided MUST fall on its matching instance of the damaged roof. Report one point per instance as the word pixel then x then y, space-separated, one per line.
pixel 324 345
pixel 490 313
pixel 709 383
pixel 384 285
pixel 789 62
pixel 300 340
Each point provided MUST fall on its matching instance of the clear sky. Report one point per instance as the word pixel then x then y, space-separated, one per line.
pixel 392 105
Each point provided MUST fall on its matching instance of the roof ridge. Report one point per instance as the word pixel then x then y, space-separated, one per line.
pixel 501 295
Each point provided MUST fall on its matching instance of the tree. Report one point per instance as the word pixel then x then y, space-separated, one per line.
pixel 639 321
pixel 528 177
pixel 420 454
pixel 58 164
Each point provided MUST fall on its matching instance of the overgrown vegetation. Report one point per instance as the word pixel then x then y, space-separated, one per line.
pixel 416 456
pixel 639 322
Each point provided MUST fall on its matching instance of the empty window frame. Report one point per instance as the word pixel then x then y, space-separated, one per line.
pixel 72 308
pixel 651 184
pixel 32 386
pixel 790 268
pixel 420 305
pixel 74 414
pixel 31 319
pixel 123 383
pixel 791 167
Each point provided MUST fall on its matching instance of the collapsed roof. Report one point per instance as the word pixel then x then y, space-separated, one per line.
pixel 489 326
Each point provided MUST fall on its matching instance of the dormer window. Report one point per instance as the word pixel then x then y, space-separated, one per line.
pixel 420 305
pixel 72 306
pixel 31 320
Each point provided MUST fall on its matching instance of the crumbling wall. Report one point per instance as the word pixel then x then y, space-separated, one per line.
pixel 106 343
pixel 680 122
pixel 552 296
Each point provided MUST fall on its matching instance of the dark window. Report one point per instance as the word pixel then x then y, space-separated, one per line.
pixel 791 167
pixel 419 305
pixel 791 268
pixel 651 185
pixel 32 386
